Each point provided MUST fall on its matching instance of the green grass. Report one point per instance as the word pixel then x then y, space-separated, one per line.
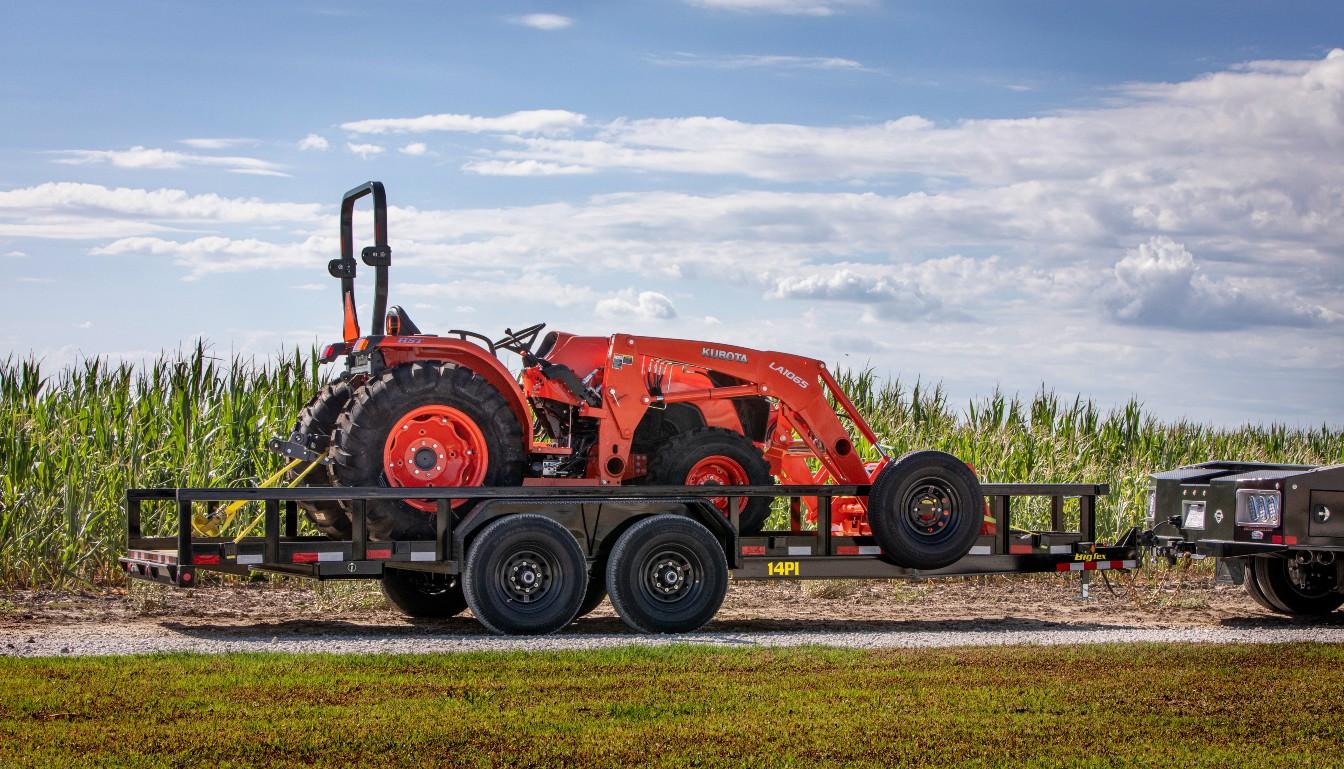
pixel 1106 706
pixel 73 440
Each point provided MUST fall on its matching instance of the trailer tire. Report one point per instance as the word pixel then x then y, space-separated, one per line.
pixel 1276 579
pixel 596 592
pixel 716 456
pixel 525 574
pixel 667 574
pixel 423 594
pixel 395 397
pixel 926 510
pixel 319 417
pixel 1252 586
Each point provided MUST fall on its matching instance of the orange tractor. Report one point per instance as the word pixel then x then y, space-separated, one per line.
pixel 415 410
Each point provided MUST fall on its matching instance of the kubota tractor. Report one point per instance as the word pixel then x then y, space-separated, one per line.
pixel 414 409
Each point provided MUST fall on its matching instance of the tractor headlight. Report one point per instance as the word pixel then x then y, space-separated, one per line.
pixel 1256 507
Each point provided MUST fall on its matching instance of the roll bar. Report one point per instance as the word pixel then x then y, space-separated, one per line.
pixel 378 256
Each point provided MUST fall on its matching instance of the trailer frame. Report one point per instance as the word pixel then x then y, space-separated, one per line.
pixel 791 554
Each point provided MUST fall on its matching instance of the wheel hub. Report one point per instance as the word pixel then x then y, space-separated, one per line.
pixel 717 470
pixel 929 509
pixel 670 576
pixel 435 446
pixel 526 578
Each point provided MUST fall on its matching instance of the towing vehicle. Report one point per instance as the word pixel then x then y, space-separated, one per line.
pixel 632 466
pixel 1277 529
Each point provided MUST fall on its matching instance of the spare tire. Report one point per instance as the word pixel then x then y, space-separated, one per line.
pixel 926 510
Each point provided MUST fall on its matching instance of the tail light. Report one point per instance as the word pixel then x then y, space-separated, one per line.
pixel 1258 508
pixel 331 352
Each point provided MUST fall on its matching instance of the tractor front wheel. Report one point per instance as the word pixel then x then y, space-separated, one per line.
pixel 713 456
pixel 424 425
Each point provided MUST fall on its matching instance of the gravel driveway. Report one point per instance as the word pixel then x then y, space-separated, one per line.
pixel 354 619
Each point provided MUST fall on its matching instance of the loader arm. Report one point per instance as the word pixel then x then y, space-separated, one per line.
pixel 799 384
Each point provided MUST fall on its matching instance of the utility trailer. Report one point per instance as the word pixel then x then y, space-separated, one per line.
pixel 531 559
pixel 1277 529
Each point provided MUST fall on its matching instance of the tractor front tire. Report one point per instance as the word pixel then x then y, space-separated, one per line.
pixel 441 413
pixel 926 510
pixel 318 418
pixel 713 456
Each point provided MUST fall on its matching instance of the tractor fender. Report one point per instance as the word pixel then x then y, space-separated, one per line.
pixel 409 349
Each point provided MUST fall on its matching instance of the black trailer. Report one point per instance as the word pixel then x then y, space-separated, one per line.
pixel 1278 529
pixel 531 559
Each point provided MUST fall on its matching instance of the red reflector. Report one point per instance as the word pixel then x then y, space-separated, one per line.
pixel 1019 549
pixel 1062 566
pixel 305 558
pixel 1117 564
pixel 847 550
pixel 753 550
pixel 379 553
pixel 1090 566
pixel 205 560
pixel 1290 540
pixel 1276 539
pixel 186 576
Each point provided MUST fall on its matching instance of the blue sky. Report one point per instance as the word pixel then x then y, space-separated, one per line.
pixel 1110 199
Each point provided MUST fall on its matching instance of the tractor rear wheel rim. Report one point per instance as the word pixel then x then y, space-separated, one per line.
pixel 717 470
pixel 435 446
pixel 930 508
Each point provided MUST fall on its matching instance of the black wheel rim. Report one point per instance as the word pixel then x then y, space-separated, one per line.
pixel 930 508
pixel 1311 581
pixel 527 576
pixel 671 575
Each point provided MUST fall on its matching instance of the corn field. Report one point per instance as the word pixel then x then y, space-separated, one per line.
pixel 72 441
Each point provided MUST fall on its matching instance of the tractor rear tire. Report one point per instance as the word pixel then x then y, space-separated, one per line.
pixel 525 575
pixel 318 418
pixel 715 456
pixel 1277 579
pixel 423 594
pixel 667 574
pixel 362 438
pixel 926 510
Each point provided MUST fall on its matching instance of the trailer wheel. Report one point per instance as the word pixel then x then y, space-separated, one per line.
pixel 713 456
pixel 667 574
pixel 424 594
pixel 596 592
pixel 525 575
pixel 422 425
pixel 926 510
pixel 1309 590
pixel 318 418
pixel 1252 586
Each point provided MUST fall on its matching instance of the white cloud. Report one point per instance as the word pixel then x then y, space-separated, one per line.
pixel 788 7
pixel 315 142
pixel 647 305
pixel 522 168
pixel 758 61
pixel 215 254
pixel 537 121
pixel 1161 284
pixel 217 143
pixel 364 150
pixel 548 22
pixel 141 158
pixel 16 254
pixel 88 211
pixel 414 149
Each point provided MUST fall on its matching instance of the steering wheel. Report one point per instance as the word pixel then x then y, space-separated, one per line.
pixel 521 341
